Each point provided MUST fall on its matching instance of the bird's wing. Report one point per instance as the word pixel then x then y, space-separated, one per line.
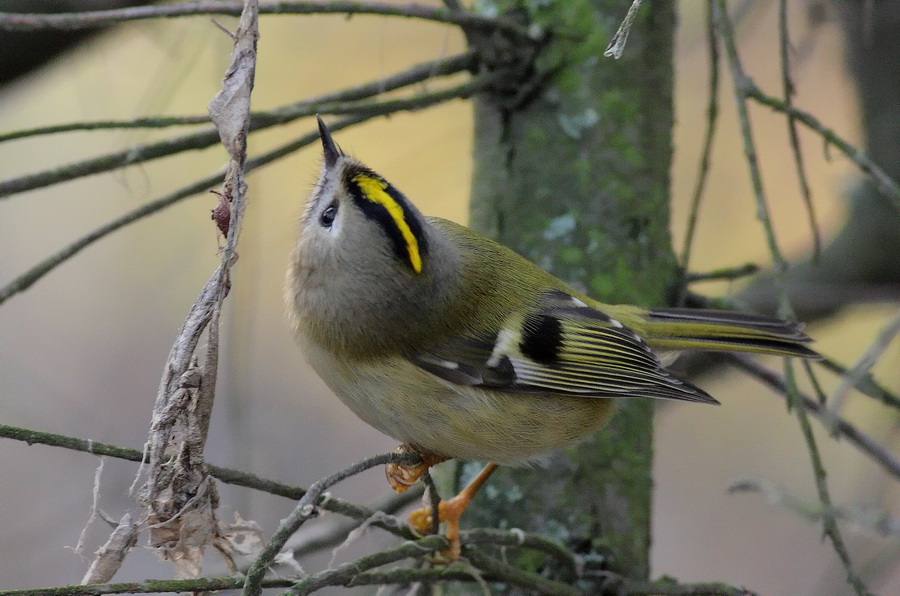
pixel 562 346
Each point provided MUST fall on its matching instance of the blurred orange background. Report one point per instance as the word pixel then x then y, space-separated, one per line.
pixel 81 353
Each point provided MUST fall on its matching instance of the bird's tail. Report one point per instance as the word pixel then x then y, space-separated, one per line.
pixel 730 331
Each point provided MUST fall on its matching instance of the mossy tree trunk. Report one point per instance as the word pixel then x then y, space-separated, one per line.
pixel 576 178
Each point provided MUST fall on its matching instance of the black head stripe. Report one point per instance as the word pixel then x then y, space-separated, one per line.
pixel 381 202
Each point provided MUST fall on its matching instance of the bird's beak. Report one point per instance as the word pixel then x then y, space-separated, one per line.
pixel 331 150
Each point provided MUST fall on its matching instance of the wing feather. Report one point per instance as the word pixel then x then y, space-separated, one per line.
pixel 560 347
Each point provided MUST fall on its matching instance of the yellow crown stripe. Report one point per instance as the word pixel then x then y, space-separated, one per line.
pixel 374 190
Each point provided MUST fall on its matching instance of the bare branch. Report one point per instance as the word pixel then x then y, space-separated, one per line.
pixel 333 531
pixel 345 574
pixel 279 115
pixel 712 116
pixel 147 587
pixel 305 509
pixel 742 86
pixel 147 122
pixel 564 559
pixel 100 18
pixel 671 588
pixel 872 520
pixel 787 86
pixel 882 181
pixel 369 110
pixel 838 426
pixel 725 273
pixel 538 583
pixel 226 475
pixel 112 553
pixel 210 136
pixel 865 384
pixel 869 358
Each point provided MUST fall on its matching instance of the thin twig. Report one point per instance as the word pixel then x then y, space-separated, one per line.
pixel 148 122
pixel 147 587
pixel 712 115
pixel 210 136
pixel 788 91
pixel 279 115
pixel 346 573
pixel 671 588
pixel 407 575
pixel 226 475
pixel 725 273
pixel 883 182
pixel 866 361
pixel 334 530
pixel 366 578
pixel 742 85
pixel 563 557
pixel 866 384
pixel 375 109
pixel 840 427
pixel 519 577
pixel 434 501
pixel 872 520
pixel 74 21
pixel 305 509
pixel 829 522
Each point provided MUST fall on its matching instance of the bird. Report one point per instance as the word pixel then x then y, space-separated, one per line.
pixel 459 348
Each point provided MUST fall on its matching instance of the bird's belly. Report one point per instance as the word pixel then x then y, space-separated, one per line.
pixel 412 406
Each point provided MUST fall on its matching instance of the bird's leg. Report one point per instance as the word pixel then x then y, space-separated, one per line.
pixel 450 512
pixel 402 476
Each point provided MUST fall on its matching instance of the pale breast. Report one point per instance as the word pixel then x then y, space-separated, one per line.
pixel 413 406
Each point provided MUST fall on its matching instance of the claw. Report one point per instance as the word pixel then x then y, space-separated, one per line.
pixel 403 476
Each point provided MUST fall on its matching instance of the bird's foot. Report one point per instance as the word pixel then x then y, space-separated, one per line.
pixel 402 476
pixel 422 521
pixel 450 511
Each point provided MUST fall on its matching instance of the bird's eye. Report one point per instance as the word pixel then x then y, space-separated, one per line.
pixel 327 216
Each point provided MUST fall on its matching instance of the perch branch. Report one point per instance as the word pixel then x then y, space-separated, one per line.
pixel 305 509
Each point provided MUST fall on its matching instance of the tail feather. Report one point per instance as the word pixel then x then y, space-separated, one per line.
pixel 701 329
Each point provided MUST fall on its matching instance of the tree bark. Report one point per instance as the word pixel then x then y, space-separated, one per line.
pixel 576 179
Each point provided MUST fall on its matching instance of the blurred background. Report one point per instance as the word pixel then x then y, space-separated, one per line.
pixel 81 352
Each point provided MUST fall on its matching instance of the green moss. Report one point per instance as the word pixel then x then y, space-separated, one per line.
pixel 577 180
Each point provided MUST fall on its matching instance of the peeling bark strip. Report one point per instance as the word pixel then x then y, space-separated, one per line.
pixel 179 497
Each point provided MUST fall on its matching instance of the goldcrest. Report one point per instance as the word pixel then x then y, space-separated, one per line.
pixel 460 348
